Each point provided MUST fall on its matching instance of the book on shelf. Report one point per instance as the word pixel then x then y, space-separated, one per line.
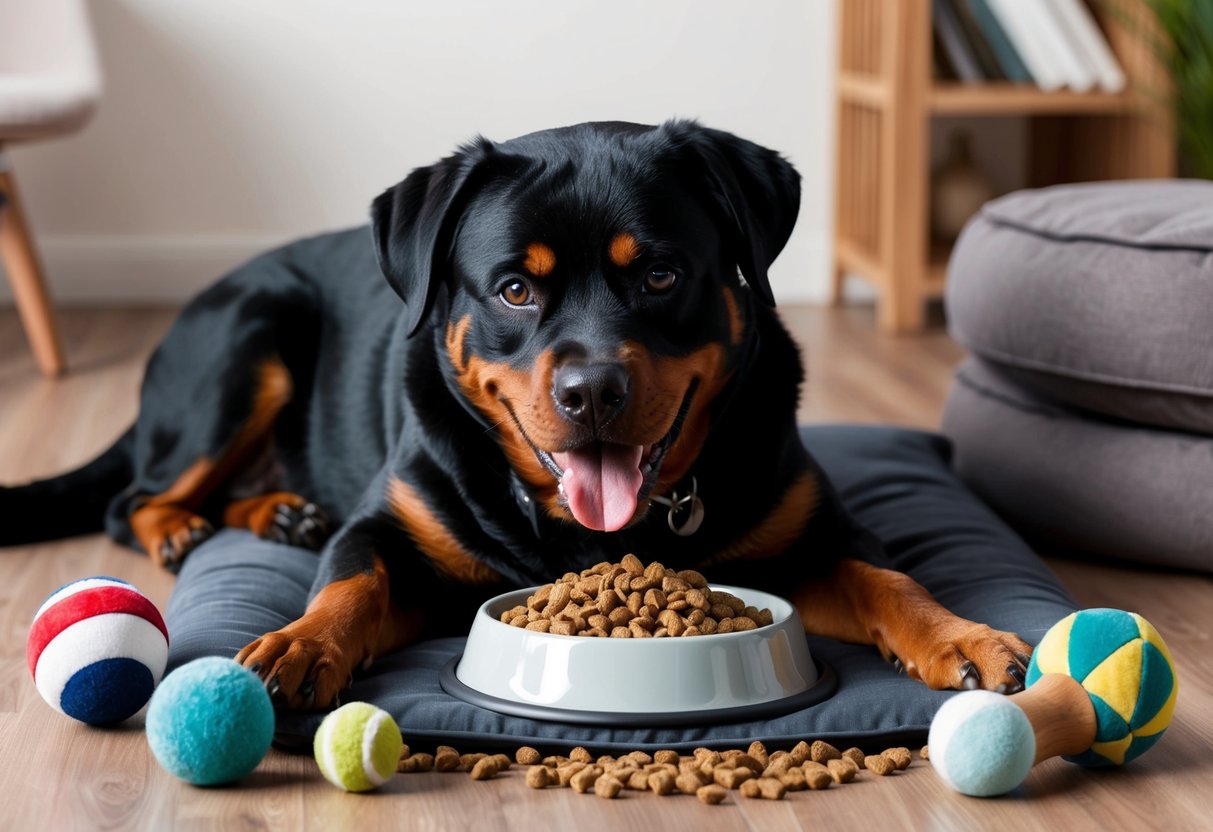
pixel 1089 42
pixel 1005 53
pixel 1053 43
pixel 1078 76
pixel 953 44
pixel 1016 20
pixel 991 69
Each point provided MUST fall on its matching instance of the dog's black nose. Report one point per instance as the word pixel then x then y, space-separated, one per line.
pixel 590 394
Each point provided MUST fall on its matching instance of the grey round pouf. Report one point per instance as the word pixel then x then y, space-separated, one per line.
pixel 1085 415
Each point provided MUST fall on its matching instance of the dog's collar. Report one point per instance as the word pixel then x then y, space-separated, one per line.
pixel 525 501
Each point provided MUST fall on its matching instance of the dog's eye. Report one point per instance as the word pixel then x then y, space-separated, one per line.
pixel 516 293
pixel 660 279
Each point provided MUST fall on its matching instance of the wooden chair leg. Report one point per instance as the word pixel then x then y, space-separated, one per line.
pixel 25 274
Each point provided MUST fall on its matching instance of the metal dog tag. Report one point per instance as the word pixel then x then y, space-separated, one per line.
pixel 692 506
pixel 686 513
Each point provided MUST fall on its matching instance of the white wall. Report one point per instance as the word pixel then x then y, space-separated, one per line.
pixel 228 126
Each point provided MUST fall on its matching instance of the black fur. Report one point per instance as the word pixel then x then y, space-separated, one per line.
pixel 376 394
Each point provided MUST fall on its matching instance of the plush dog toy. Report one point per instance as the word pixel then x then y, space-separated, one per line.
pixel 1101 691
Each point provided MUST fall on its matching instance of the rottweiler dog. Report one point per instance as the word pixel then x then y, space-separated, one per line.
pixel 586 363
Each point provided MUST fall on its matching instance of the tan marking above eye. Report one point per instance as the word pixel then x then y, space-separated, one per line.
pixel 623 250
pixel 540 260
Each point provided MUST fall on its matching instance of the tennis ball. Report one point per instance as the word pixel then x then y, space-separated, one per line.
pixel 97 648
pixel 982 743
pixel 210 721
pixel 1124 666
pixel 357 747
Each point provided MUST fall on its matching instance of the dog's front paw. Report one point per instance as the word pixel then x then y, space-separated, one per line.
pixel 168 533
pixel 301 668
pixel 964 655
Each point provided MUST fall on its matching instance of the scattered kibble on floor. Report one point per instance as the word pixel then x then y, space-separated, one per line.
pixel 706 773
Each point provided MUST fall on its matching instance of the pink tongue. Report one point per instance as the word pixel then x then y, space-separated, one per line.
pixel 601 481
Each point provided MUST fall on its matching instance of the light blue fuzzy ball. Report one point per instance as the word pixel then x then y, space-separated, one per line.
pixel 210 722
pixel 981 743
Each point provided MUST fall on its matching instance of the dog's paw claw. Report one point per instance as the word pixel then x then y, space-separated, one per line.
pixel 306 526
pixel 300 671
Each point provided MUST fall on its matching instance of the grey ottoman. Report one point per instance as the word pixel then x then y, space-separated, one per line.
pixel 1085 412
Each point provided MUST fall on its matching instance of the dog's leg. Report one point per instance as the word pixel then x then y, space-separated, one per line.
pixel 350 619
pixel 864 604
pixel 168 524
pixel 280 516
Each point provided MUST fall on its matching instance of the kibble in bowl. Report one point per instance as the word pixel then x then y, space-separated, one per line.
pixel 572 669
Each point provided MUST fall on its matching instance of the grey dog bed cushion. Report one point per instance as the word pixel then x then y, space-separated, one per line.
pixel 1097 294
pixel 898 482
pixel 1084 484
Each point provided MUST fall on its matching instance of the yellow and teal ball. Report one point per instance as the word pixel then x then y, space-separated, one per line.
pixel 1124 666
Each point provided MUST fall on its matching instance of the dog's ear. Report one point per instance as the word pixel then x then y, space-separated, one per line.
pixel 413 223
pixel 756 190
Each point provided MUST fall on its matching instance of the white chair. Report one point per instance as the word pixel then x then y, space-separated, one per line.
pixel 49 85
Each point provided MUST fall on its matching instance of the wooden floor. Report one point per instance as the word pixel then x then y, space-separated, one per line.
pixel 58 775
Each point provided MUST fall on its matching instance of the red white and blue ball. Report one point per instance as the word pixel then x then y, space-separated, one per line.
pixel 97 649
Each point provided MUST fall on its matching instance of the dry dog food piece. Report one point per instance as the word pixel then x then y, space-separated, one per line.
pixel 689 782
pixel 817 775
pixel 607 786
pixel 580 755
pixel 468 761
pixel 632 600
pixel 820 752
pixel 711 794
pixel 666 757
pixel 778 765
pixel 446 758
pixel 527 756
pixel 661 782
pixel 537 777
pixel 799 753
pixel 555 761
pixel 744 760
pixel 584 779
pixel 731 778
pixel 879 764
pixel 925 753
pixel 855 756
pixel 843 770
pixel 759 752
pixel 484 769
pixel 638 780
pixel 900 756
pixel 415 763
pixel 566 772
pixel 793 778
pixel 767 788
pixel 503 762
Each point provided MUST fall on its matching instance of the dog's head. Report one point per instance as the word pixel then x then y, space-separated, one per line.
pixel 585 285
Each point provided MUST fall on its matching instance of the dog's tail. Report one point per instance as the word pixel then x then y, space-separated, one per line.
pixel 69 504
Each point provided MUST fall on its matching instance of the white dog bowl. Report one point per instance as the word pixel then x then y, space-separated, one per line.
pixel 652 681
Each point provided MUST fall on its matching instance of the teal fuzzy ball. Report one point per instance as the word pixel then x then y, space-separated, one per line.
pixel 981 743
pixel 210 722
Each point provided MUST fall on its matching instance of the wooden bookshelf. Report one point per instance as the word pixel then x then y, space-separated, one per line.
pixel 887 99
